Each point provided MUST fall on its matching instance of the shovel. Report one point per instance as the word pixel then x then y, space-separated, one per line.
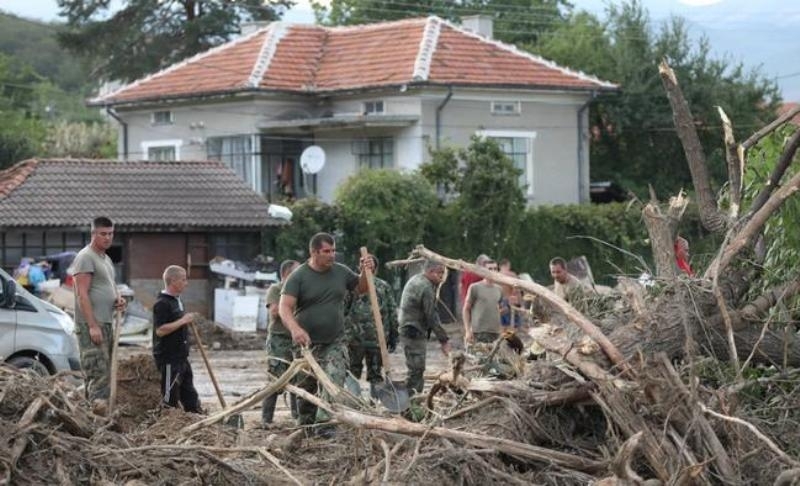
pixel 234 420
pixel 392 394
pixel 112 397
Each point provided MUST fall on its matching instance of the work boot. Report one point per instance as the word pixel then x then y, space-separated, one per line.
pixel 268 409
pixel 372 392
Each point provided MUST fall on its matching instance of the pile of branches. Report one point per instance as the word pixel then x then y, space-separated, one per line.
pixel 685 382
pixel 50 435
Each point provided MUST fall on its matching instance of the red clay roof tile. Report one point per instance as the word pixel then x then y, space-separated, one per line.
pixel 307 59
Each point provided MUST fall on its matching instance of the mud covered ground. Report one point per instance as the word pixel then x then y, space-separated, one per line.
pixel 242 372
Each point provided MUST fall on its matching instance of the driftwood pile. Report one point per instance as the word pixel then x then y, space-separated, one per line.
pixel 685 382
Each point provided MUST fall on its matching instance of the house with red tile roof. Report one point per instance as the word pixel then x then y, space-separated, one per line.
pixel 370 96
pixel 165 213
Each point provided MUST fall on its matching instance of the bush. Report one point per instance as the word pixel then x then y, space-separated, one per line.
pixel 385 210
pixel 309 216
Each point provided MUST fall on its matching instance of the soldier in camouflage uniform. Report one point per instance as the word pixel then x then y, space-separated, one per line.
pixel 279 343
pixel 362 337
pixel 418 318
pixel 312 309
pixel 96 298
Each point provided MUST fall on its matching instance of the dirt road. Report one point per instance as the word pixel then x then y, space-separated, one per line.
pixel 241 373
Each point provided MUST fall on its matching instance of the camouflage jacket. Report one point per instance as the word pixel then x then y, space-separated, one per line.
pixel 418 307
pixel 359 325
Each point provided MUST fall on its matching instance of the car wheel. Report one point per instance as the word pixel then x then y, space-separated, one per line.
pixel 28 363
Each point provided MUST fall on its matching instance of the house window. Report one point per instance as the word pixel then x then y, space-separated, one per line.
pixel 235 152
pixel 373 107
pixel 374 153
pixel 162 118
pixel 162 150
pixel 519 148
pixel 161 153
pixel 235 246
pixel 506 107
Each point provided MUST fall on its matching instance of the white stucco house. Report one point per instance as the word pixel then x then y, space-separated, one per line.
pixel 377 95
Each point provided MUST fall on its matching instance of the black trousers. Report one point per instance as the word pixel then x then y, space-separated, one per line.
pixel 177 385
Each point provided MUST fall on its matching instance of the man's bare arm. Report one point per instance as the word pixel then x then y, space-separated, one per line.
pixel 287 306
pixel 82 283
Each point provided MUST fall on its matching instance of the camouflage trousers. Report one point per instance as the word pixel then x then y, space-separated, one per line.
pixel 359 354
pixel 96 360
pixel 279 352
pixel 333 359
pixel 415 350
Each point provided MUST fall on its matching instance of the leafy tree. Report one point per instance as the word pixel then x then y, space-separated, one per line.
pixel 782 231
pixel 35 44
pixel 634 140
pixel 147 35
pixel 386 209
pixel 81 140
pixel 21 132
pixel 309 216
pixel 515 21
pixel 488 202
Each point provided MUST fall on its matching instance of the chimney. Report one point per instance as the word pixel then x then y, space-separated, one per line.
pixel 482 25
pixel 248 28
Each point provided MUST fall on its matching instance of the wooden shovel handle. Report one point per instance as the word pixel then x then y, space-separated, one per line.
pixel 208 364
pixel 376 313
pixel 112 395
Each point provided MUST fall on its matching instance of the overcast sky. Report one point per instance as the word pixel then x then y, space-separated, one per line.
pixel 756 32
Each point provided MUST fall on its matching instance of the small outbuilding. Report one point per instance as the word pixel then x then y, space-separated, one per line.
pixel 178 212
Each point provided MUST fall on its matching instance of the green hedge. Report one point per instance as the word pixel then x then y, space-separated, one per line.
pixel 395 212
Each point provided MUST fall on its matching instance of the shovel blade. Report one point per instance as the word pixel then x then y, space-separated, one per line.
pixel 393 395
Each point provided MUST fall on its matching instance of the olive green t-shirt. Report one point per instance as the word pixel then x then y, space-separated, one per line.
pixel 273 299
pixel 102 290
pixel 484 300
pixel 320 300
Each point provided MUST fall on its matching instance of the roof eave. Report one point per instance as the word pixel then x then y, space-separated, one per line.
pixel 538 87
pixel 206 96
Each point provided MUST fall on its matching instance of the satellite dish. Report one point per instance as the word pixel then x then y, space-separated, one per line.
pixel 312 160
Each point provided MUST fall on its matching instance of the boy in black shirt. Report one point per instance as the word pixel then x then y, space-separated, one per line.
pixel 170 342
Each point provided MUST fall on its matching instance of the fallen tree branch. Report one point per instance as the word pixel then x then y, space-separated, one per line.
pixel 734 156
pixel 772 446
pixel 23 425
pixel 261 451
pixel 757 222
pixel 711 217
pixel 402 426
pixel 546 294
pixel 754 138
pixel 785 160
pixel 337 393
pixel 274 387
pixel 403 263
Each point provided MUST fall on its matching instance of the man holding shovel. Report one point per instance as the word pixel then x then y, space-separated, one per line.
pixel 312 309
pixel 171 344
pixel 362 337
pixel 96 298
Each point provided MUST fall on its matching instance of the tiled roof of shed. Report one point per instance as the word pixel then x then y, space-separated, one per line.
pixel 313 59
pixel 71 192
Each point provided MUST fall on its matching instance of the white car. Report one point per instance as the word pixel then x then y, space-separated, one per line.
pixel 33 333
